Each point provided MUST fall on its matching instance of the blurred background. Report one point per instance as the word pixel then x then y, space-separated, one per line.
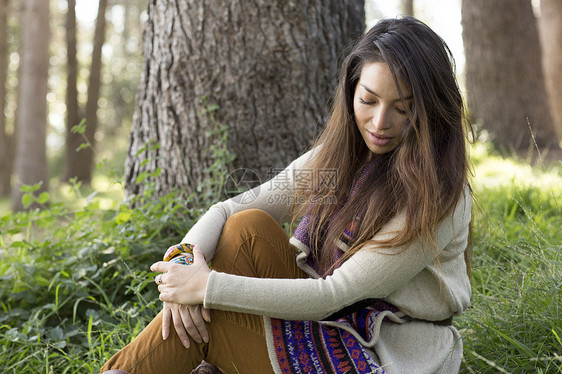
pixel 70 72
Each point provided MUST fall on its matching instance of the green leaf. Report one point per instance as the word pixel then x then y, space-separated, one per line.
pixel 56 334
pixel 100 164
pixel 156 172
pixel 27 200
pixel 212 108
pixel 123 217
pixel 20 244
pixel 142 177
pixel 82 146
pixel 79 128
pixel 40 281
pixel 32 188
pixel 43 197
pixel 140 151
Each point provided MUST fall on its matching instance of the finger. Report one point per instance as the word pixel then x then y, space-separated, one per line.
pixel 179 326
pixel 198 254
pixel 166 315
pixel 160 266
pixel 199 322
pixel 206 313
pixel 189 324
pixel 164 296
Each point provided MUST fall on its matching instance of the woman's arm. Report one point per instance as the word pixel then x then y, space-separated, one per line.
pixel 367 274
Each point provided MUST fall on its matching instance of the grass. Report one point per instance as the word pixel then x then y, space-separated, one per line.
pixel 74 281
pixel 74 286
pixel 515 322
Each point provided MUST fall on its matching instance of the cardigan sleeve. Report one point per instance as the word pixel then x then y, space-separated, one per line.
pixel 273 197
pixel 367 274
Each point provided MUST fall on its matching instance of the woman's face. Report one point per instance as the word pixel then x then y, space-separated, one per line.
pixel 380 114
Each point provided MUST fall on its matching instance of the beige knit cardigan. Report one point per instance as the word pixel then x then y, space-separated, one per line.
pixel 425 287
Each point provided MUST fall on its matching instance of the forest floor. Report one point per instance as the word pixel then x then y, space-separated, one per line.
pixel 75 285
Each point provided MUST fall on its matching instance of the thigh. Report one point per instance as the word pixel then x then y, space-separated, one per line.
pixel 253 244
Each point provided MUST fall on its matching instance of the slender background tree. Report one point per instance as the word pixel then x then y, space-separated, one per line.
pixel 550 23
pixel 73 138
pixel 504 78
pixel 6 148
pixel 269 66
pixel 86 156
pixel 409 7
pixel 31 116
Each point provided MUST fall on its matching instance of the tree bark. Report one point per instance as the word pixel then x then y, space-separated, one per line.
pixel 550 27
pixel 31 115
pixel 86 155
pixel 73 139
pixel 505 83
pixel 6 146
pixel 270 66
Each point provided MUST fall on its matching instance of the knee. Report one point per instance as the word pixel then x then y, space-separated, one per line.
pixel 249 223
pixel 250 218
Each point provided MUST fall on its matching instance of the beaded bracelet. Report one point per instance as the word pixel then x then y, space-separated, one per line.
pixel 183 260
pixel 180 249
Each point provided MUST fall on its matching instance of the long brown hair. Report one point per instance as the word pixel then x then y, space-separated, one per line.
pixel 423 177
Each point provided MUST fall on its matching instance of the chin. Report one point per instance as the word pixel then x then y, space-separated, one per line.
pixel 381 150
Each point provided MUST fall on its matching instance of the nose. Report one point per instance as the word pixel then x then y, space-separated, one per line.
pixel 381 119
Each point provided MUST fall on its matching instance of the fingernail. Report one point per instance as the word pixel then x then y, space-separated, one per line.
pixel 205 339
pixel 198 341
pixel 186 343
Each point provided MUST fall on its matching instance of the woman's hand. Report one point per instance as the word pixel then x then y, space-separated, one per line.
pixel 187 319
pixel 182 284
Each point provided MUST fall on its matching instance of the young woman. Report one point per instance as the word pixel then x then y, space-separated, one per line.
pixel 377 266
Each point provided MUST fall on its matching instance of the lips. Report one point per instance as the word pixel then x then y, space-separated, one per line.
pixel 379 140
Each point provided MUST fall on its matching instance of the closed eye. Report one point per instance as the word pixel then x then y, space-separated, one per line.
pixel 366 102
pixel 402 112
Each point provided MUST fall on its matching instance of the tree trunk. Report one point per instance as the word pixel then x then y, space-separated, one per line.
pixel 270 66
pixel 409 7
pixel 86 155
pixel 550 26
pixel 6 153
pixel 73 139
pixel 31 116
pixel 506 90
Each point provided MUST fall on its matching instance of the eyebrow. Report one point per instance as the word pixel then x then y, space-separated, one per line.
pixel 377 95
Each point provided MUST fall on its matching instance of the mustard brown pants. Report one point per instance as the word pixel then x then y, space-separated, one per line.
pixel 252 244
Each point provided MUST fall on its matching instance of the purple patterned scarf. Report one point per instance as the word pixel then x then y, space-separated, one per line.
pixel 302 234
